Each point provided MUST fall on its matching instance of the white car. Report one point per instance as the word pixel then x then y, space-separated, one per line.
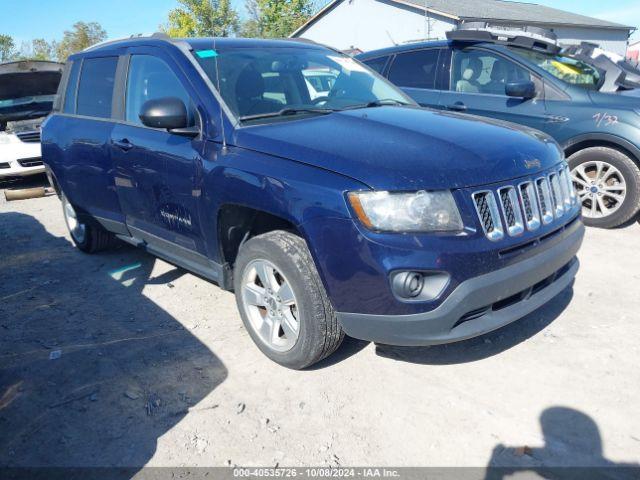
pixel 27 93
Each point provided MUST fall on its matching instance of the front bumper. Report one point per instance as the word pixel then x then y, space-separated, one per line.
pixel 15 169
pixel 480 304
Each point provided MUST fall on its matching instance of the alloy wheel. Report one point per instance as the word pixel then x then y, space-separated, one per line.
pixel 600 187
pixel 271 305
pixel 76 228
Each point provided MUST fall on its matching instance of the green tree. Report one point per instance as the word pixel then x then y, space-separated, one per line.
pixel 7 48
pixel 43 50
pixel 251 27
pixel 37 49
pixel 276 18
pixel 81 36
pixel 202 18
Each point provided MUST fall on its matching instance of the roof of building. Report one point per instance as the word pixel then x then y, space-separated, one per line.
pixel 491 10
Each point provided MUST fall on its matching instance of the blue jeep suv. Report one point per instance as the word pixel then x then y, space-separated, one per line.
pixel 586 107
pixel 346 211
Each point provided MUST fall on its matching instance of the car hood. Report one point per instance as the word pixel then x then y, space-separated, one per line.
pixel 407 148
pixel 626 99
pixel 27 89
pixel 634 92
pixel 29 78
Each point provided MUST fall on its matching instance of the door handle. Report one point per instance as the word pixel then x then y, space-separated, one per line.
pixel 123 144
pixel 457 107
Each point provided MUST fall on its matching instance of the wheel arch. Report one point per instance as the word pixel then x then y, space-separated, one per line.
pixel 238 223
pixel 581 142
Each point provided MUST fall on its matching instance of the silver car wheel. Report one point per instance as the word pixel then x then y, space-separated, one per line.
pixel 271 305
pixel 76 228
pixel 601 188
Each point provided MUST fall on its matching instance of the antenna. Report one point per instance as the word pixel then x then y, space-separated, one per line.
pixel 390 37
pixel 215 61
pixel 427 19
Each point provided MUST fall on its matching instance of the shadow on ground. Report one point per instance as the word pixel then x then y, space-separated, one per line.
pixel 571 438
pixel 486 345
pixel 92 372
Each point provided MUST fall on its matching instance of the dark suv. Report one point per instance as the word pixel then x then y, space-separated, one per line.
pixel 351 211
pixel 590 111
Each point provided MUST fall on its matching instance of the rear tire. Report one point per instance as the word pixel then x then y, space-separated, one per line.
pixel 608 185
pixel 296 326
pixel 88 237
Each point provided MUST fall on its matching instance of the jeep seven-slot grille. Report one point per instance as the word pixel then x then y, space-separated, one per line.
pixel 530 204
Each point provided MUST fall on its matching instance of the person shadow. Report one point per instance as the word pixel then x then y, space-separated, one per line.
pixel 572 450
pixel 92 372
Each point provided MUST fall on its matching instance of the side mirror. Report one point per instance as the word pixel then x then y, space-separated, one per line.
pixel 524 89
pixel 169 113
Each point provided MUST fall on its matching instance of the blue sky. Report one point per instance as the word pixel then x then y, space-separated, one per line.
pixel 36 18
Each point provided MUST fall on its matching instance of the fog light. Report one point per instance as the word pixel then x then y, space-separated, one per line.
pixel 419 286
pixel 408 284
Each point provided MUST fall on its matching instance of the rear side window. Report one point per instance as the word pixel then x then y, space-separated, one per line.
pixel 377 64
pixel 95 91
pixel 415 69
pixel 72 85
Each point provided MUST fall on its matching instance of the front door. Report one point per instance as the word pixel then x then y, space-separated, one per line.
pixel 477 86
pixel 157 173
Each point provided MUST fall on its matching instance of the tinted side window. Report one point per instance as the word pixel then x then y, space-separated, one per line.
pixel 377 64
pixel 415 69
pixel 72 85
pixel 95 91
pixel 475 71
pixel 150 78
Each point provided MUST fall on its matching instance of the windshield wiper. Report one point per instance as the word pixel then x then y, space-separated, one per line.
pixel 286 112
pixel 384 102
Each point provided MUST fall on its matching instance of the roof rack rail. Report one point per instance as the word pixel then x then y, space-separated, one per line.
pixel 534 38
pixel 135 36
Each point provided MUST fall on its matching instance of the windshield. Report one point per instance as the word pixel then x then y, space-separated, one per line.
pixel 565 68
pixel 259 83
pixel 14 102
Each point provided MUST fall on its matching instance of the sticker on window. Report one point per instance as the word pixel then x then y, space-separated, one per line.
pixel 207 53
pixel 348 64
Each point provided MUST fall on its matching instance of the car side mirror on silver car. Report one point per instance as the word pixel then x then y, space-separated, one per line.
pixel 524 89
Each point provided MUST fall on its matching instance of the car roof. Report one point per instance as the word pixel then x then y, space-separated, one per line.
pixel 405 47
pixel 202 43
pixel 161 39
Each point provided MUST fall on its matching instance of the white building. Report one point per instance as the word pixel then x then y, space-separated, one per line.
pixel 633 53
pixel 372 24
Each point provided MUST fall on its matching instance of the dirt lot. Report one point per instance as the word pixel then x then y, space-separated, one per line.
pixel 122 359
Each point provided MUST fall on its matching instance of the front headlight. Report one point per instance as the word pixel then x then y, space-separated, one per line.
pixel 407 212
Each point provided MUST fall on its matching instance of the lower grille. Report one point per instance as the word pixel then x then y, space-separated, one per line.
pixel 29 137
pixel 516 298
pixel 30 162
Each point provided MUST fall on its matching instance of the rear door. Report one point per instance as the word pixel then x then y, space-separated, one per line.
pixel 84 128
pixel 158 173
pixel 476 85
pixel 416 72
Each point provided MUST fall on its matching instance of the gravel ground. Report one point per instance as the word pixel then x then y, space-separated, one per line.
pixel 123 359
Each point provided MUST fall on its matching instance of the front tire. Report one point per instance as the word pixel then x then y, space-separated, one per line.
pixel 282 301
pixel 90 238
pixel 608 185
